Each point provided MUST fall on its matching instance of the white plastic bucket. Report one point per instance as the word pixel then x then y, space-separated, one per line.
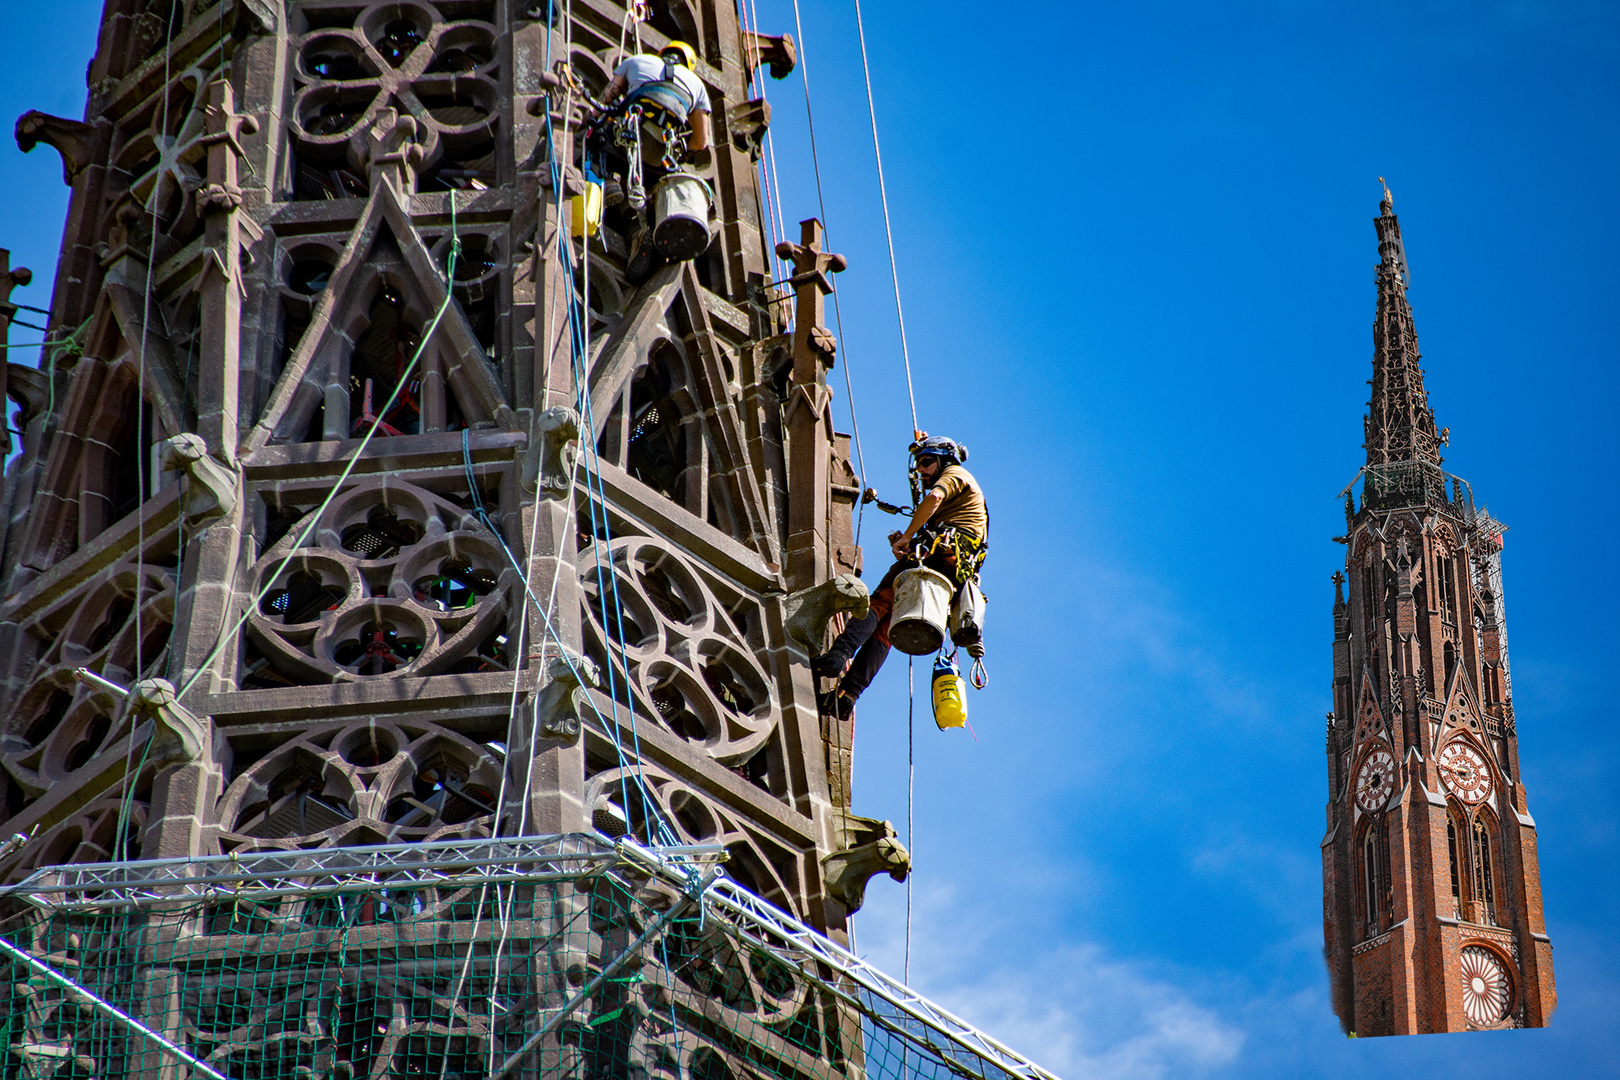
pixel 922 611
pixel 681 216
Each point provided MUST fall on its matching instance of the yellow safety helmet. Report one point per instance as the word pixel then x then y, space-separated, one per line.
pixel 688 55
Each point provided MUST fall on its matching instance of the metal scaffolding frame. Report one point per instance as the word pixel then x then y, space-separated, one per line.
pixel 884 1003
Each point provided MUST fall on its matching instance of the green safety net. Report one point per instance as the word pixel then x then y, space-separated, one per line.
pixel 605 971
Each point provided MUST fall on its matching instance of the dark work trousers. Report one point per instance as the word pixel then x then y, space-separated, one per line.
pixel 867 640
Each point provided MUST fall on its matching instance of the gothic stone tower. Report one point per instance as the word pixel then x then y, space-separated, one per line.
pixel 265 198
pixel 1431 895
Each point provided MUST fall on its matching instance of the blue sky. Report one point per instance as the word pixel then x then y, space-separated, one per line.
pixel 1135 250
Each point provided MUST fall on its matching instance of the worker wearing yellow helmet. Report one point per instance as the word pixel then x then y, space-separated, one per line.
pixel 667 80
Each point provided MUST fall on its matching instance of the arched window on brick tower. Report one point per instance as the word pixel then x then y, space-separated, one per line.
pixel 1456 862
pixel 1374 878
pixel 1485 877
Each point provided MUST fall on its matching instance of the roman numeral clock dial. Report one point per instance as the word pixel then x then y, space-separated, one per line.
pixel 1375 780
pixel 1464 772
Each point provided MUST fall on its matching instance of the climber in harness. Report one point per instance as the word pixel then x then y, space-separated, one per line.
pixel 660 95
pixel 948 533
pixel 667 90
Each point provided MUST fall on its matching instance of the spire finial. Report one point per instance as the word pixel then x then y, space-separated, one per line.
pixel 1400 426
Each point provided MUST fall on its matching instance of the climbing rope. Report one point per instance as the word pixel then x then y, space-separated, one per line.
pixel 838 312
pixel 911 802
pixel 579 337
pixel 226 638
pixel 766 167
pixel 888 228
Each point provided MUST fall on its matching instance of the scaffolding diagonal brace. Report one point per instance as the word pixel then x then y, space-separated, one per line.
pixel 676 910
pixel 39 967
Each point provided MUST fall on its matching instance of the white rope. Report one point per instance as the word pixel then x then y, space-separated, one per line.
pixel 911 786
pixel 767 181
pixel 888 229
pixel 838 311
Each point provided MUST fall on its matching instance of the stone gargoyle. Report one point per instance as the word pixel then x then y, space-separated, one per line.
pixel 180 736
pixel 556 708
pixel 871 847
pixel 211 486
pixel 809 609
pixel 548 464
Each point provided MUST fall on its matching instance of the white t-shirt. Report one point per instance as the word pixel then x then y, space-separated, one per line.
pixel 638 70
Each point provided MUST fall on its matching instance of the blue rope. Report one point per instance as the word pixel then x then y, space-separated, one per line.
pixel 602 532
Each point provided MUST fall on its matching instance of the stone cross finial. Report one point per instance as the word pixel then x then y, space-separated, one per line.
pixel 813 345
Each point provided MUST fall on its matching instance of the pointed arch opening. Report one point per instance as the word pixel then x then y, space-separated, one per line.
pixel 1486 877
pixel 657 450
pixel 116 476
pixel 1453 834
pixel 377 369
pixel 1374 879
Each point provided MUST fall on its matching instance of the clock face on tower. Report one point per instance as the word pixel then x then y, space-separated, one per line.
pixel 1464 772
pixel 1375 781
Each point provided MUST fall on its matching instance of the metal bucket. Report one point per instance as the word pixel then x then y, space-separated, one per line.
pixel 922 611
pixel 681 216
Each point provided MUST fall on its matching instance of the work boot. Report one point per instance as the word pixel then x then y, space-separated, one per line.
pixel 639 266
pixel 847 644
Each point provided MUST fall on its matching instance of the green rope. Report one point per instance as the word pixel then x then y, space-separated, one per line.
pixel 314 518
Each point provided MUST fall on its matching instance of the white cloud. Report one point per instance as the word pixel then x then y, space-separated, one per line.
pixel 1081 1014
pixel 1073 1009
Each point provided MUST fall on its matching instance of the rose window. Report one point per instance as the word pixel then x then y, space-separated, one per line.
pixel 1486 989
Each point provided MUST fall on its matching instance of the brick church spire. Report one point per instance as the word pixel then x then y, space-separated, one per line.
pixel 1400 424
pixel 1431 892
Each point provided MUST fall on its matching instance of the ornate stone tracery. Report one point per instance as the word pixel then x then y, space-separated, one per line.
pixel 687 663
pixel 397 580
pixel 432 64
pixel 371 782
pixel 265 201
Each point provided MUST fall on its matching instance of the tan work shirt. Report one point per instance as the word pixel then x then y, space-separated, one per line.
pixel 963 502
